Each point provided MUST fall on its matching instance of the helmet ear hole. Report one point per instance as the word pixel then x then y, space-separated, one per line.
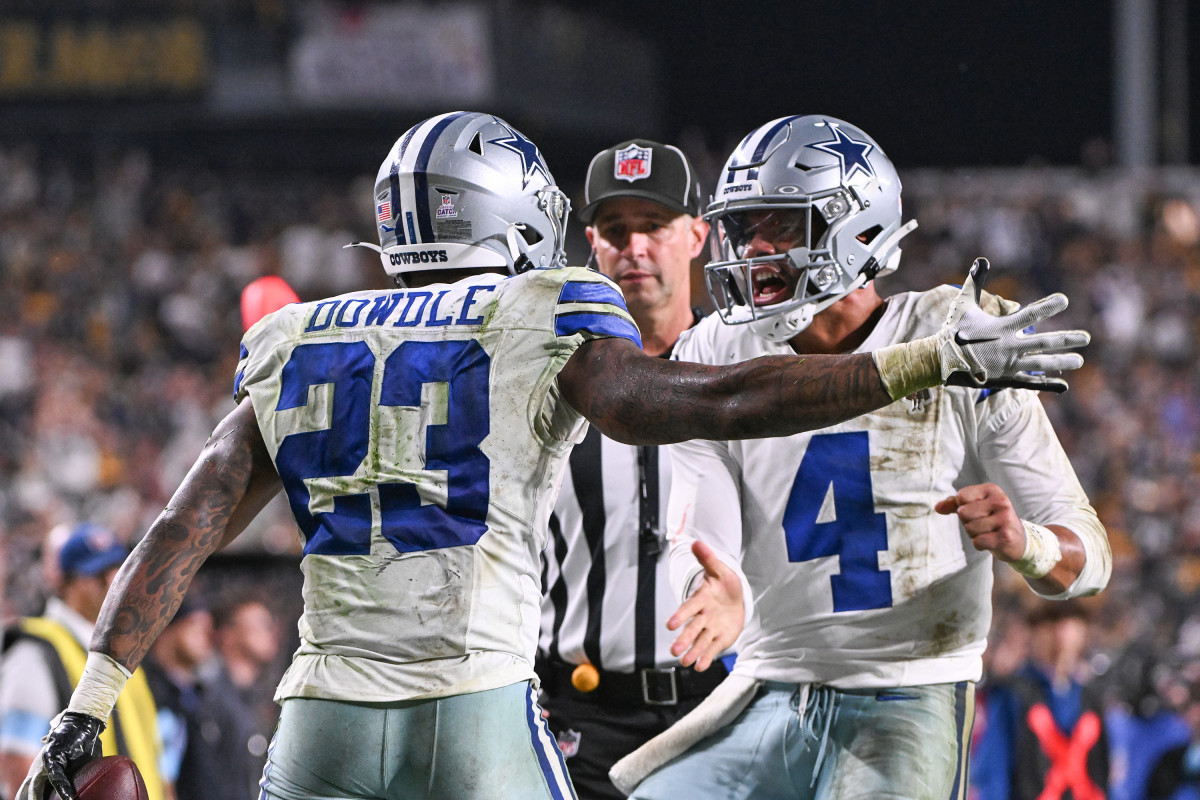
pixel 530 235
pixel 870 234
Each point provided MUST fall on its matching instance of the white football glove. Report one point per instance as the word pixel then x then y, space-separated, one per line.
pixel 980 350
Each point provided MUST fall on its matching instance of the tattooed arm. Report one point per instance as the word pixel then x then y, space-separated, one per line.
pixel 637 399
pixel 227 486
pixel 231 481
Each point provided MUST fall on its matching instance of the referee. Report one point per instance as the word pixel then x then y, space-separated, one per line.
pixel 606 593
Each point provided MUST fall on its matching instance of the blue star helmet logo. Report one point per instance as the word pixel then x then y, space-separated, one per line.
pixel 531 159
pixel 850 152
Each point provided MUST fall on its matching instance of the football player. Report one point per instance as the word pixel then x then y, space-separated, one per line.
pixel 867 547
pixel 420 435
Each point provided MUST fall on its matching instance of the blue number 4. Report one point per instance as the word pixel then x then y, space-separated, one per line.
pixel 332 456
pixel 837 467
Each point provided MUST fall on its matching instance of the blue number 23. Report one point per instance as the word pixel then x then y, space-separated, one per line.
pixel 338 451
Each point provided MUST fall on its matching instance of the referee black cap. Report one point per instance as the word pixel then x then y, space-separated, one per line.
pixel 641 168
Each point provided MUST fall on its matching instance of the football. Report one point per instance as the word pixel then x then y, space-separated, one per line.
pixel 110 778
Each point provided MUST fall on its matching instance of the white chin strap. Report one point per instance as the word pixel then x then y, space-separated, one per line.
pixel 888 253
pixel 513 237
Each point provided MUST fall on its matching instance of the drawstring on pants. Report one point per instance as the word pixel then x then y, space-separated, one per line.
pixel 817 707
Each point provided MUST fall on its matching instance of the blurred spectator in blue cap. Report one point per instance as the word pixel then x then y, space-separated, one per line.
pixel 91 551
pixel 44 656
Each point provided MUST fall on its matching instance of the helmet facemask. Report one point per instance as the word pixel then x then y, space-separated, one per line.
pixel 527 247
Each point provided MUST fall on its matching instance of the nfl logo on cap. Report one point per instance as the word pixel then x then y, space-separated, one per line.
pixel 624 170
pixel 632 163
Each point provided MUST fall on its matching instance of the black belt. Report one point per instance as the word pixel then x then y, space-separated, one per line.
pixel 649 687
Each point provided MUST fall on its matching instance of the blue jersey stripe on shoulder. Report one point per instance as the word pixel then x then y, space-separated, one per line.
pixel 590 292
pixel 237 380
pixel 602 324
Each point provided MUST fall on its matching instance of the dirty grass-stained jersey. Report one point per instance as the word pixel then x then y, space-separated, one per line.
pixel 421 438
pixel 857 582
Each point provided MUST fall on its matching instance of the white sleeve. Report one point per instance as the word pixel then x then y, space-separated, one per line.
pixel 1020 452
pixel 704 505
pixel 28 699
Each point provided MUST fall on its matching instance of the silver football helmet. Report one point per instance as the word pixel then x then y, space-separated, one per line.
pixel 467 190
pixel 839 194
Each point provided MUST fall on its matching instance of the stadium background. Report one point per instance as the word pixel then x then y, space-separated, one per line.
pixel 156 156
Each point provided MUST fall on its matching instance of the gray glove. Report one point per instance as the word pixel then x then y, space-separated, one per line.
pixel 980 350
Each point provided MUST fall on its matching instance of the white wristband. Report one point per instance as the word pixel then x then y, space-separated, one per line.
pixel 1042 552
pixel 101 683
pixel 909 367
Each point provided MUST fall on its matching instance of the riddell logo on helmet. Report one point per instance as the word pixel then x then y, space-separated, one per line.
pixel 419 257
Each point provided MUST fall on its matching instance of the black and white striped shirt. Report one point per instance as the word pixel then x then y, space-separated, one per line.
pixel 606 594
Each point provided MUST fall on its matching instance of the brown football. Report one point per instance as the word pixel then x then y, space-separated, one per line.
pixel 110 778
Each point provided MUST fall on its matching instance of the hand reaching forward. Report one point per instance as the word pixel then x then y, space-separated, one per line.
pixel 978 349
pixel 712 617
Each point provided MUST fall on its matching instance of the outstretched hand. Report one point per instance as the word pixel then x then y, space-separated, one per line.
pixel 712 618
pixel 981 350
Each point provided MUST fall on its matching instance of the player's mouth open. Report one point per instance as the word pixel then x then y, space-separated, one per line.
pixel 769 285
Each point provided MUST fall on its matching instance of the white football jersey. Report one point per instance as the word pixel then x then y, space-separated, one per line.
pixel 421 438
pixel 856 581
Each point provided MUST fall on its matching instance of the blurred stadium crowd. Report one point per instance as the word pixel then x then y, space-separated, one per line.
pixel 119 329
